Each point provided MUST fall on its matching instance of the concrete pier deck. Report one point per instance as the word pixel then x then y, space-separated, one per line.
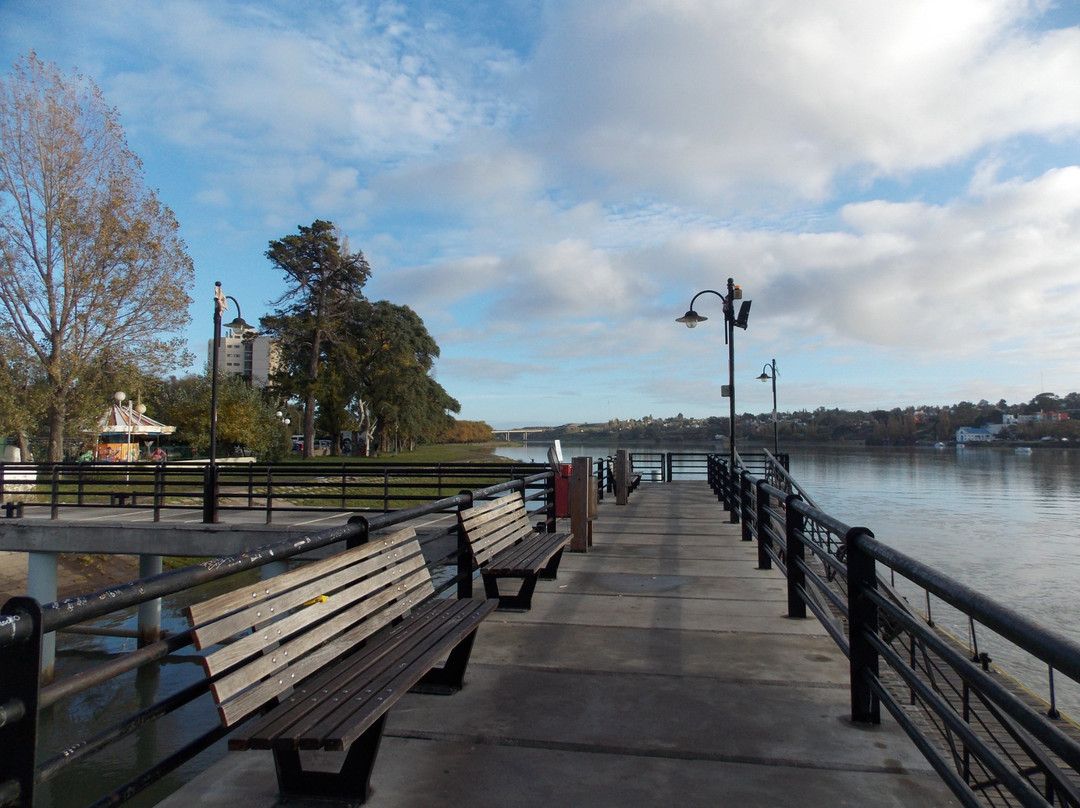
pixel 659 669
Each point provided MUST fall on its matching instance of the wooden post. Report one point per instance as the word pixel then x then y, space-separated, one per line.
pixel 622 476
pixel 582 503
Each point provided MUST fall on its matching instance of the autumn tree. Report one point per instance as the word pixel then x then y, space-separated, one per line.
pixel 91 263
pixel 324 279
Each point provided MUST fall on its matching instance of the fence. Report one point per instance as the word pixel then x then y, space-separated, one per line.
pixel 993 742
pixel 24 701
pixel 270 488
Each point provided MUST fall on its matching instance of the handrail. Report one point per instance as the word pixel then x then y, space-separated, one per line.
pixel 272 488
pixel 982 735
pixel 24 623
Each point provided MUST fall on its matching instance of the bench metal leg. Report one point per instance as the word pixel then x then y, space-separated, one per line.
pixel 521 602
pixel 551 569
pixel 351 782
pixel 450 678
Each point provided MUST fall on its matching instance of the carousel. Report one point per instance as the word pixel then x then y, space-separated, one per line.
pixel 125 433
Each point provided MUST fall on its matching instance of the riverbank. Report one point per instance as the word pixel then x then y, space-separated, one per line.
pixel 76 573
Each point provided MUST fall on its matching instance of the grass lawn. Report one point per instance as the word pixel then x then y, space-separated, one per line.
pixel 428 453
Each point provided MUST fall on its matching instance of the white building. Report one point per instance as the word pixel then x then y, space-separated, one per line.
pixel 245 354
pixel 972 434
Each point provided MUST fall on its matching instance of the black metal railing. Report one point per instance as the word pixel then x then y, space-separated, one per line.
pixel 993 742
pixel 27 705
pixel 271 488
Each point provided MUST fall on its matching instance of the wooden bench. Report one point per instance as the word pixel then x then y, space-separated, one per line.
pixel 505 544
pixel 329 648
pixel 633 479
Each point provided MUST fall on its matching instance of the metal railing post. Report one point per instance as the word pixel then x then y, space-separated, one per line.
pixel 362 536
pixel 794 529
pixel 159 490
pixel 210 494
pixel 269 495
pixel 745 485
pixel 764 523
pixel 55 493
pixel 20 683
pixel 863 620
pixel 731 495
pixel 464 554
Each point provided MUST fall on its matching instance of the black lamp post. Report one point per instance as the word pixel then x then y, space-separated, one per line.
pixel 211 481
pixel 731 322
pixel 764 377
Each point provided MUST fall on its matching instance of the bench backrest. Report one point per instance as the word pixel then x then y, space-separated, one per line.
pixel 281 630
pixel 493 526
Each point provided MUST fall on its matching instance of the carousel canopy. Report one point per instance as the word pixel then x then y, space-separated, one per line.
pixel 119 418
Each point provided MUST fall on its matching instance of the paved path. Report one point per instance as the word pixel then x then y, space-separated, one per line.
pixel 658 670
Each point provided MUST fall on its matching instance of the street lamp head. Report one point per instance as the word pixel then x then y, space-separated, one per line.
pixel 691 318
pixel 240 326
pixel 764 377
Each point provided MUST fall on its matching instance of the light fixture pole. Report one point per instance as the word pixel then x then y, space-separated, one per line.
pixel 211 481
pixel 764 377
pixel 731 322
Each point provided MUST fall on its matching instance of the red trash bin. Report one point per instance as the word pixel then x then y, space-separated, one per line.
pixel 562 492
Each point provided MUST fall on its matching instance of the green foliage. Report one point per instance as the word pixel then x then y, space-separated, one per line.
pixel 356 365
pixel 245 417
pixel 324 280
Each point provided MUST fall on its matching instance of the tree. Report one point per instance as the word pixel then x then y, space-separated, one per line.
pixel 324 280
pixel 91 263
pixel 245 416
pixel 395 356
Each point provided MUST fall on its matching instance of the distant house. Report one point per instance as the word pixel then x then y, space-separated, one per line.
pixel 973 434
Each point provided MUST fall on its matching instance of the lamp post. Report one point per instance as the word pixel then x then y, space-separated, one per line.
pixel 764 377
pixel 731 322
pixel 211 482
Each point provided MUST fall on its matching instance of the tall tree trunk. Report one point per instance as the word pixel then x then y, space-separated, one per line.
pixel 57 417
pixel 309 399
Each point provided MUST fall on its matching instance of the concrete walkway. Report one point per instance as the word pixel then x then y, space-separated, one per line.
pixel 658 670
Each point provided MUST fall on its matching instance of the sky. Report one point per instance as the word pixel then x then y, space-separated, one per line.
pixel 548 183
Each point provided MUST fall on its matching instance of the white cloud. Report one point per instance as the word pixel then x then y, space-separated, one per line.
pixel 714 103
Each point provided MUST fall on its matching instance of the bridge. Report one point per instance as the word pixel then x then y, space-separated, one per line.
pixel 693 652
pixel 521 433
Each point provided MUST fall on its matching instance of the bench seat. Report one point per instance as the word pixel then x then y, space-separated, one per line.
pixel 326 650
pixel 504 544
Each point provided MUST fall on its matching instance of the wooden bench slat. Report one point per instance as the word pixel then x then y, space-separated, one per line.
pixel 338 641
pixel 329 712
pixel 343 732
pixel 387 548
pixel 283 624
pixel 526 559
pixel 275 674
pixel 504 544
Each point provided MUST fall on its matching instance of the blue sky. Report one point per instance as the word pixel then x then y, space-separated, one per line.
pixel 896 186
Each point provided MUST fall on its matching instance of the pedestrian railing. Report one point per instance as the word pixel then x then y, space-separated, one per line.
pixel 169 728
pixel 994 742
pixel 269 488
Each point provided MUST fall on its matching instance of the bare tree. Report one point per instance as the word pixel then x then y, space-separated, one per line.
pixel 91 263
